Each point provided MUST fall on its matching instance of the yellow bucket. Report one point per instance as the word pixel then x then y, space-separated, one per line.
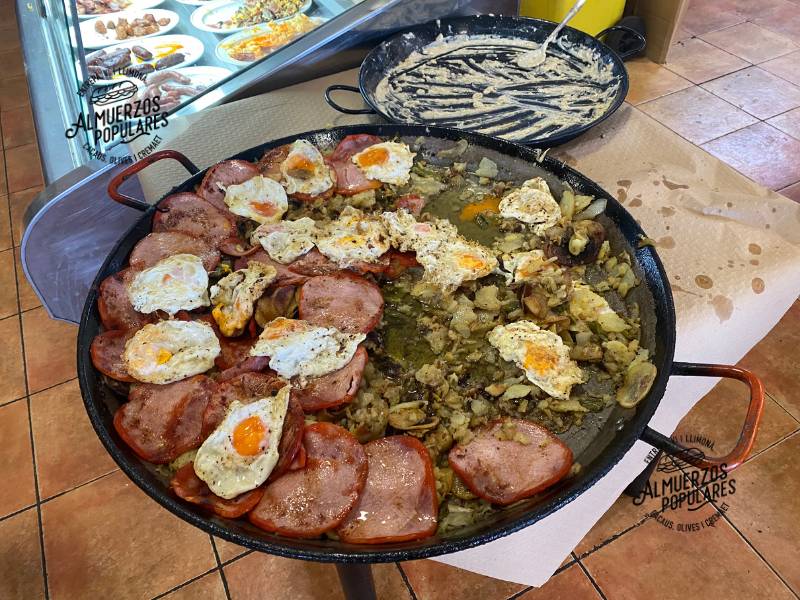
pixel 594 17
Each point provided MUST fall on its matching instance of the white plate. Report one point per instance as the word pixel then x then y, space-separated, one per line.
pixel 135 5
pixel 92 39
pixel 203 75
pixel 192 49
pixel 223 55
pixel 194 2
pixel 221 10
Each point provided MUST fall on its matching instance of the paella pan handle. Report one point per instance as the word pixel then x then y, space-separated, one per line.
pixel 342 109
pixel 747 436
pixel 127 173
pixel 641 42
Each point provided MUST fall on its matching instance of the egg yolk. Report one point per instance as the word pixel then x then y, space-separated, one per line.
pixel 538 358
pixel 488 203
pixel 373 156
pixel 279 328
pixel 163 356
pixel 348 239
pixel 300 166
pixel 218 315
pixel 473 263
pixel 249 436
pixel 263 208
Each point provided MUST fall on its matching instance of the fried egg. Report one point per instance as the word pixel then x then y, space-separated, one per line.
pixel 456 262
pixel 240 454
pixel 304 170
pixel 448 258
pixel 299 349
pixel 353 237
pixel 169 351
pixel 586 305
pixel 532 203
pixel 176 283
pixel 408 234
pixel 540 353
pixel 287 241
pixel 260 198
pixel 235 295
pixel 525 267
pixel 389 162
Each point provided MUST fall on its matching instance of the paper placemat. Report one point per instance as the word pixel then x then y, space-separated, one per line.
pixel 730 248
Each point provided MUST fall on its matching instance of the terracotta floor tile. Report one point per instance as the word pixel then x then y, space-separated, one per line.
pixel 19 201
pixel 681 33
pixel 699 61
pixel 752 10
pixel 21 557
pixel 788 122
pixel 389 582
pixel 208 587
pixel 3 181
pixel 707 15
pixel 108 539
pixel 793 192
pixel 9 39
pixel 49 349
pixel 228 550
pixel 6 241
pixel 766 506
pixel 13 63
pixel 17 125
pixel 750 42
pixel 12 372
pixel 785 67
pixel 253 575
pixel 8 284
pixel 27 297
pixel 13 91
pixel 570 584
pixel 744 151
pixel 709 563
pixel 16 460
pixel 754 90
pixel 775 360
pixel 436 581
pixel 649 80
pixel 784 19
pixel 720 414
pixel 23 168
pixel 68 452
pixel 697 115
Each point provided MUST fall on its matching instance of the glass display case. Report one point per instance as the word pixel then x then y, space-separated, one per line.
pixel 104 72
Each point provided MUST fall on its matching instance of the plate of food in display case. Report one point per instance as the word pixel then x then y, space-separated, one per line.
pixel 175 86
pixel 254 43
pixel 194 2
pixel 88 9
pixel 140 57
pixel 224 16
pixel 128 25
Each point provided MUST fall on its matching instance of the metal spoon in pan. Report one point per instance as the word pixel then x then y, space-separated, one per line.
pixel 534 58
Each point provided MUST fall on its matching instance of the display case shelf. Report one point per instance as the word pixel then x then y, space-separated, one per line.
pixel 66 101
